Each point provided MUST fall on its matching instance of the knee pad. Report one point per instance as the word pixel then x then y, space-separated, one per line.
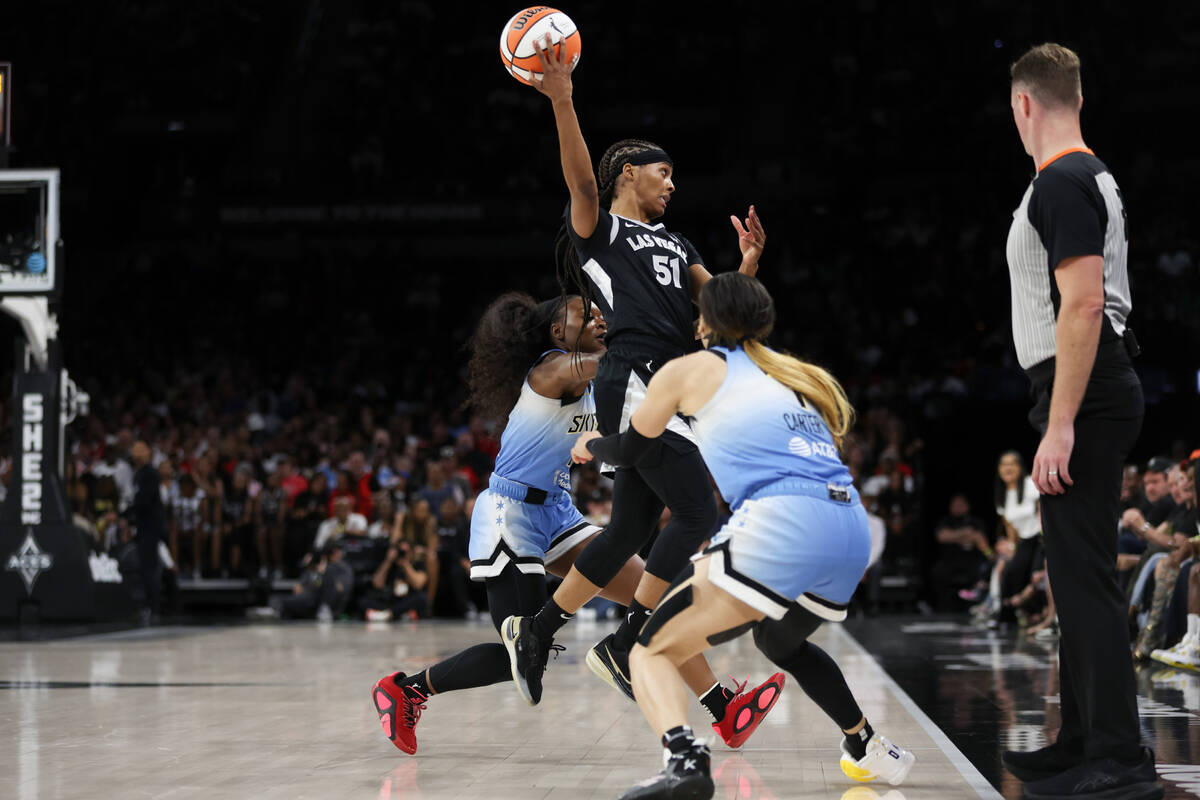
pixel 729 635
pixel 780 640
pixel 672 606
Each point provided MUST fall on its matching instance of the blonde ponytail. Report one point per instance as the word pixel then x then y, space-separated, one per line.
pixel 815 384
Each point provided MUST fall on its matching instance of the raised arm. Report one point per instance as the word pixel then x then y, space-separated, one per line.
pixel 751 240
pixel 558 372
pixel 576 161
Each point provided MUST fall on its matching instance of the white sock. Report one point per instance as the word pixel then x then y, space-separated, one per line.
pixel 1194 626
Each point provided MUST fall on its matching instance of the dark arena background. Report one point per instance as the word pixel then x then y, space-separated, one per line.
pixel 280 223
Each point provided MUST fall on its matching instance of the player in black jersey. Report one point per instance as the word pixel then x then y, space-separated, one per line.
pixel 645 279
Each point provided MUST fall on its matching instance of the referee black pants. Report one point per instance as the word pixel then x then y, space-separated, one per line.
pixel 1099 703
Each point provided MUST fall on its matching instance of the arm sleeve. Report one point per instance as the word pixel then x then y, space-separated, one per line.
pixel 1069 216
pixel 620 449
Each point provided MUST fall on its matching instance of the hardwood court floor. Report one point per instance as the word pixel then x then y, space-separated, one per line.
pixel 283 711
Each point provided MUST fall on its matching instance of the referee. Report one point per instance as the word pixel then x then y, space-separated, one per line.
pixel 1066 254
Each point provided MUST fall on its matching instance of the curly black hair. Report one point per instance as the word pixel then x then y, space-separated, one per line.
pixel 568 269
pixel 512 333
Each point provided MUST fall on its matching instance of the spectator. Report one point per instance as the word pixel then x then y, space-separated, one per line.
pixel 1131 487
pixel 118 469
pixel 344 487
pixel 869 586
pixel 419 528
pixel 387 522
pixel 1169 575
pixel 344 520
pixel 897 506
pixel 292 482
pixel 237 520
pixel 213 488
pixel 324 590
pixel 362 484
pixel 166 484
pixel 599 507
pixel 1158 503
pixel 964 555
pixel 1179 516
pixel 454 535
pixel 270 521
pixel 398 586
pixel 305 516
pixel 1017 506
pixel 189 524
pixel 437 489
pixel 150 523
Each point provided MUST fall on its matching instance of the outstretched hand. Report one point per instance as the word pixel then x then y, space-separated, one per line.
pixel 751 236
pixel 555 80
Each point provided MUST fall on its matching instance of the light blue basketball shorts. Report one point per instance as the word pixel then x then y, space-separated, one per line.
pixel 780 550
pixel 506 529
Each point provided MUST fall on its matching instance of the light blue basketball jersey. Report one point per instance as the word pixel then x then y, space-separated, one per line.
pixel 755 431
pixel 535 448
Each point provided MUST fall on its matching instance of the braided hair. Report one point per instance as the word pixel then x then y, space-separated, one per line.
pixel 569 271
pixel 512 333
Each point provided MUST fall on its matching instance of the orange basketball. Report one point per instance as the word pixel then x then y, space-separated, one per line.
pixel 517 40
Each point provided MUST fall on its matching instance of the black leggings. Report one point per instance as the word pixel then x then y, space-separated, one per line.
pixel 671 474
pixel 512 592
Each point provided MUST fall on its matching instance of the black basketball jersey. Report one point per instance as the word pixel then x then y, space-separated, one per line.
pixel 641 280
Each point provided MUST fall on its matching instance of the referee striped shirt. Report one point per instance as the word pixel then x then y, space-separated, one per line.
pixel 1071 208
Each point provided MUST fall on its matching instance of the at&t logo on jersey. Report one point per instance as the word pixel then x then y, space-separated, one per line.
pixel 800 446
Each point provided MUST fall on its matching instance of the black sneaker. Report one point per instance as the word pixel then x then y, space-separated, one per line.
pixel 686 775
pixel 1102 779
pixel 1036 765
pixel 527 656
pixel 611 665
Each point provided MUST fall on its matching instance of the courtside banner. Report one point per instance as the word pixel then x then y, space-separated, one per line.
pixel 43 557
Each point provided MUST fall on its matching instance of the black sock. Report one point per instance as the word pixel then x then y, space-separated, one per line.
pixel 417 682
pixel 679 739
pixel 715 700
pixel 481 665
pixel 547 621
pixel 856 743
pixel 631 626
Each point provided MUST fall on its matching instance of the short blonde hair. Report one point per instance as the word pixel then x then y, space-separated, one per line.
pixel 1051 73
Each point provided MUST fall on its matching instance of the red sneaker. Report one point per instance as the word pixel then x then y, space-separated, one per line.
pixel 399 708
pixel 747 709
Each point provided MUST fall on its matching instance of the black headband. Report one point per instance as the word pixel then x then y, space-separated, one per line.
pixel 653 156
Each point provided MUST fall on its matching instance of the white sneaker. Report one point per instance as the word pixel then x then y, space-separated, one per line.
pixel 1048 633
pixel 1185 654
pixel 324 613
pixel 883 760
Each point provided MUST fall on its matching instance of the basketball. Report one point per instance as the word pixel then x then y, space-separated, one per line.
pixel 528 27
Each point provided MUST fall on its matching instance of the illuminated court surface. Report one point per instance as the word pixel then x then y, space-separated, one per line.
pixel 283 711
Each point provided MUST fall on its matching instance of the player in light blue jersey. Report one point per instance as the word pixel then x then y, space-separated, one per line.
pixel 524 371
pixel 769 427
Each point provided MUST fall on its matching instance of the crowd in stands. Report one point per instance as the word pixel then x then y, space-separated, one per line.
pixel 1157 544
pixel 363 502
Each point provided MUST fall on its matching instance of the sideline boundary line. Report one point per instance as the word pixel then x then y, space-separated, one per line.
pixel 961 763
